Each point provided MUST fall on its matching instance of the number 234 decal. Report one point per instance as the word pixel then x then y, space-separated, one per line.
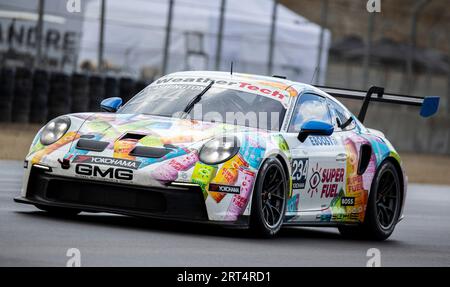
pixel 299 172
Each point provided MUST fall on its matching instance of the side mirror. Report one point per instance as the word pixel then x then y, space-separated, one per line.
pixel 315 128
pixel 111 105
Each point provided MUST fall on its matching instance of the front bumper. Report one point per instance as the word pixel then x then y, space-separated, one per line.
pixel 182 203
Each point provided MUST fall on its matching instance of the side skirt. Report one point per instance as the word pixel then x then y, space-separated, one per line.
pixel 318 224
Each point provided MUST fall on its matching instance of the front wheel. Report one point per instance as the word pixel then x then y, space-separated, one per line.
pixel 269 199
pixel 383 207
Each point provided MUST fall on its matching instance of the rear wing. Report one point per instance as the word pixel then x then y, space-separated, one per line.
pixel 428 105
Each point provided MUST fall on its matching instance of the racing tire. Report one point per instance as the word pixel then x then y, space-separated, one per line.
pixel 269 199
pixel 80 93
pixel 59 97
pixel 383 207
pixel 23 85
pixel 111 87
pixel 126 89
pixel 39 98
pixel 7 77
pixel 139 86
pixel 96 92
pixel 59 211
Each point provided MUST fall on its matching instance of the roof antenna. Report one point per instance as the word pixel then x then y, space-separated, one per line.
pixel 231 70
pixel 316 71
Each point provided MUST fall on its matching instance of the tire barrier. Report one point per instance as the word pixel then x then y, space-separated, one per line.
pixel 126 89
pixel 6 93
pixel 59 101
pixel 96 93
pixel 111 87
pixel 39 97
pixel 80 93
pixel 21 103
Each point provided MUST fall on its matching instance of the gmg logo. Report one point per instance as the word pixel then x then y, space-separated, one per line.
pixel 96 171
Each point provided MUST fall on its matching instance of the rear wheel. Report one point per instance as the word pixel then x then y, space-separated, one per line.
pixel 383 207
pixel 59 211
pixel 269 199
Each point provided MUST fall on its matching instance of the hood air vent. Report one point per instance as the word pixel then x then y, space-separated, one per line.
pixel 91 145
pixel 132 136
pixel 151 152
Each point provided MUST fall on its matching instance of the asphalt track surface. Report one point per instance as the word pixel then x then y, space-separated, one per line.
pixel 29 237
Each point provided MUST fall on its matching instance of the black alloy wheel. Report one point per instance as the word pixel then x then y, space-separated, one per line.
pixel 269 198
pixel 387 199
pixel 383 207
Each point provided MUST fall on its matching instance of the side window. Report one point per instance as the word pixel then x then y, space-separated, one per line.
pixel 309 107
pixel 342 115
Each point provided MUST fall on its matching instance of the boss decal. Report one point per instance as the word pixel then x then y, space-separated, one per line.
pixel 299 172
pixel 224 188
pixel 111 173
pixel 348 201
pixel 110 161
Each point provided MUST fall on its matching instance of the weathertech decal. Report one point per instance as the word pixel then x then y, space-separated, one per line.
pixel 224 188
pixel 110 161
pixel 256 88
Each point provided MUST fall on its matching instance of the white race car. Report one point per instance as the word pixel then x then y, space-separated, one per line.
pixel 234 149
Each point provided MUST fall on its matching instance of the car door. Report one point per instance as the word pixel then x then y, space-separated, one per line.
pixel 318 164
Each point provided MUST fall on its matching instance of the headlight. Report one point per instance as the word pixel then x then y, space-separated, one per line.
pixel 219 150
pixel 54 130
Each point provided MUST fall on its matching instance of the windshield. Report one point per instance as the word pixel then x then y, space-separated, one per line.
pixel 216 105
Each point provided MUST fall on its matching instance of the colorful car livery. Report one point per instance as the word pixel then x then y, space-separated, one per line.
pixel 231 149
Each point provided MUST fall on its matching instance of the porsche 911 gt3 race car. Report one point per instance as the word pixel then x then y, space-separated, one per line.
pixel 233 149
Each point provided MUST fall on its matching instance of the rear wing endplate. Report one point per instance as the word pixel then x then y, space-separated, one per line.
pixel 428 105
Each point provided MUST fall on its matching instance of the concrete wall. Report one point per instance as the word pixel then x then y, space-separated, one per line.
pixel 409 132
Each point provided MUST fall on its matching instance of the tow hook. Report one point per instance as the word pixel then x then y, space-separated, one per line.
pixel 65 163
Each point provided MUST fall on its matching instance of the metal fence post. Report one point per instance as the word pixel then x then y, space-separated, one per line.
pixel 272 37
pixel 167 40
pixel 418 7
pixel 101 36
pixel 368 50
pixel 448 75
pixel 323 23
pixel 39 31
pixel 220 34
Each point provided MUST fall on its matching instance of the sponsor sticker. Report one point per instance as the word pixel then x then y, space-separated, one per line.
pixel 322 141
pixel 299 172
pixel 94 171
pixel 224 188
pixel 262 89
pixel 110 161
pixel 347 201
pixel 325 181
